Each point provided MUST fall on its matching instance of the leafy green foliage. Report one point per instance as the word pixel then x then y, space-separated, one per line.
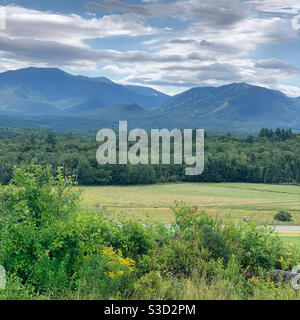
pixel 262 247
pixel 107 273
pixel 30 206
pixel 283 216
pixel 51 248
pixel 272 157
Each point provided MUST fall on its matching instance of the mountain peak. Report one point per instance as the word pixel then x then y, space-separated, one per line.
pixel 40 70
pixel 64 90
pixel 33 72
pixel 97 79
pixel 239 85
pixel 232 102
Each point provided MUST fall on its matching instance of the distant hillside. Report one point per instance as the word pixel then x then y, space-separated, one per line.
pixel 235 102
pixel 55 90
pixel 234 105
pixel 149 92
pixel 54 99
pixel 114 113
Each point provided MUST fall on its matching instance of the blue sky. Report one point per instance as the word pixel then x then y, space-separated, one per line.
pixel 170 45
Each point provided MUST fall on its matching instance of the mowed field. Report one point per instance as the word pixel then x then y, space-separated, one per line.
pixel 243 201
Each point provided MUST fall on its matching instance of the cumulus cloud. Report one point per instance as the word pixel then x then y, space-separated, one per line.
pixel 211 46
pixel 220 13
pixel 56 53
pixel 112 5
pixel 70 29
pixel 275 64
pixel 117 70
pixel 276 6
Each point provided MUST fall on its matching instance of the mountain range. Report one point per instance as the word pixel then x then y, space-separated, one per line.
pixel 54 99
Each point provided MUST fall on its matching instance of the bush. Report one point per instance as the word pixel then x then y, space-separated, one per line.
pixel 53 249
pixel 215 242
pixel 31 205
pixel 134 239
pixel 283 216
pixel 106 275
pixel 262 247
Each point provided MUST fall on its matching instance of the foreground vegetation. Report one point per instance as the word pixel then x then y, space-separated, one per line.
pixel 53 248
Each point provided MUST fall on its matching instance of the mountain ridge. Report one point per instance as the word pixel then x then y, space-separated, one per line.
pixel 55 87
pixel 237 101
pixel 48 93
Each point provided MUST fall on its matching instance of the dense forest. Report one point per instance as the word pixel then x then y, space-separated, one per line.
pixel 271 157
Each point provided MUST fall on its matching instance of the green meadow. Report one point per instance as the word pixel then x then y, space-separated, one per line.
pixel 292 239
pixel 242 201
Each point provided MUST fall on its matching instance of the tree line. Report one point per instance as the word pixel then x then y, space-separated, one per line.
pixel 270 157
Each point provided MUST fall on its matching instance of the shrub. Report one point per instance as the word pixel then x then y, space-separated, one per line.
pixel 261 245
pixel 53 249
pixel 33 207
pixel 198 228
pixel 106 275
pixel 50 275
pixel 134 239
pixel 215 242
pixel 190 218
pixel 178 257
pixel 283 216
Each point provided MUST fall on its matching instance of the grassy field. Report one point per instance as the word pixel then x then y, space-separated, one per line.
pixel 292 239
pixel 241 200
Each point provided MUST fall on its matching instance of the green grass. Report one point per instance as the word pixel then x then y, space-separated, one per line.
pixel 293 240
pixel 244 201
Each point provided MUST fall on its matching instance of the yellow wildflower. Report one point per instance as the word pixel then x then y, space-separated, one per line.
pixel 109 251
pixel 254 280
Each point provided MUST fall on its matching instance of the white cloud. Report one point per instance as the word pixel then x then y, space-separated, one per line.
pixel 69 29
pixel 222 13
pixel 277 65
pixel 211 47
pixel 276 6
pixel 291 91
pixel 117 70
